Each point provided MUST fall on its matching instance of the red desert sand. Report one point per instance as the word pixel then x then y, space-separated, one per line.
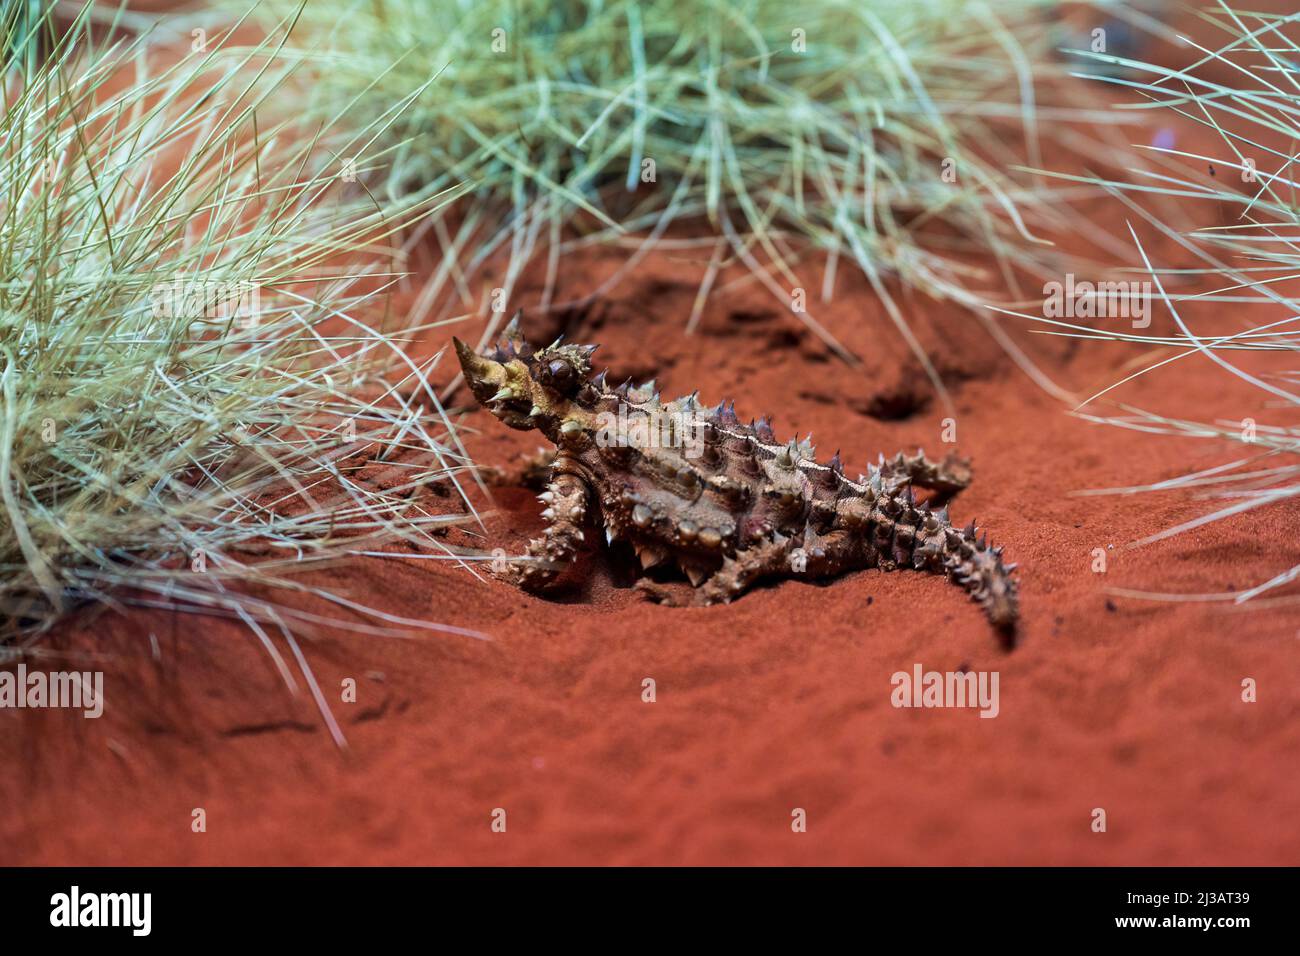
pixel 777 702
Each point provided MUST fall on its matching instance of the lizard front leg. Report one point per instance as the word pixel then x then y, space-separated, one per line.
pixel 532 472
pixel 566 499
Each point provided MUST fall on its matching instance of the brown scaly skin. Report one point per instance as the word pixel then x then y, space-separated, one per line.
pixel 722 500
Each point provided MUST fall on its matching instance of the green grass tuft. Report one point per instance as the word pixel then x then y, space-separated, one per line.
pixel 824 126
pixel 195 358
pixel 1246 92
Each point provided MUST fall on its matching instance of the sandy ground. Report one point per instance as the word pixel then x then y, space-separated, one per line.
pixel 776 702
pixel 779 701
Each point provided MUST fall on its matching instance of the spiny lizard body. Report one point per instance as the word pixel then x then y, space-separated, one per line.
pixel 724 501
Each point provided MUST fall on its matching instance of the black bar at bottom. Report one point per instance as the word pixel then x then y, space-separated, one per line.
pixel 331 906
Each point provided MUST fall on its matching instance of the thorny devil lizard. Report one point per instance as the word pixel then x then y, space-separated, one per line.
pixel 725 501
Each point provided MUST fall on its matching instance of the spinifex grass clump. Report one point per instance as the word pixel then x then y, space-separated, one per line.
pixel 193 358
pixel 1252 262
pixel 868 130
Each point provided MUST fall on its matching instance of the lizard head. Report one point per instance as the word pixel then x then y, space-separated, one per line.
pixel 528 388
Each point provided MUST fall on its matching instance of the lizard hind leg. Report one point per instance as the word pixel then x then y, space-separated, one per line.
pixel 828 555
pixel 945 478
pixel 740 571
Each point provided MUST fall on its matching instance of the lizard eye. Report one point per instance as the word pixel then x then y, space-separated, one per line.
pixel 560 376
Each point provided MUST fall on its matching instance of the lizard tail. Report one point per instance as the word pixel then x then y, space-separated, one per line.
pixel 923 539
pixel 977 567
